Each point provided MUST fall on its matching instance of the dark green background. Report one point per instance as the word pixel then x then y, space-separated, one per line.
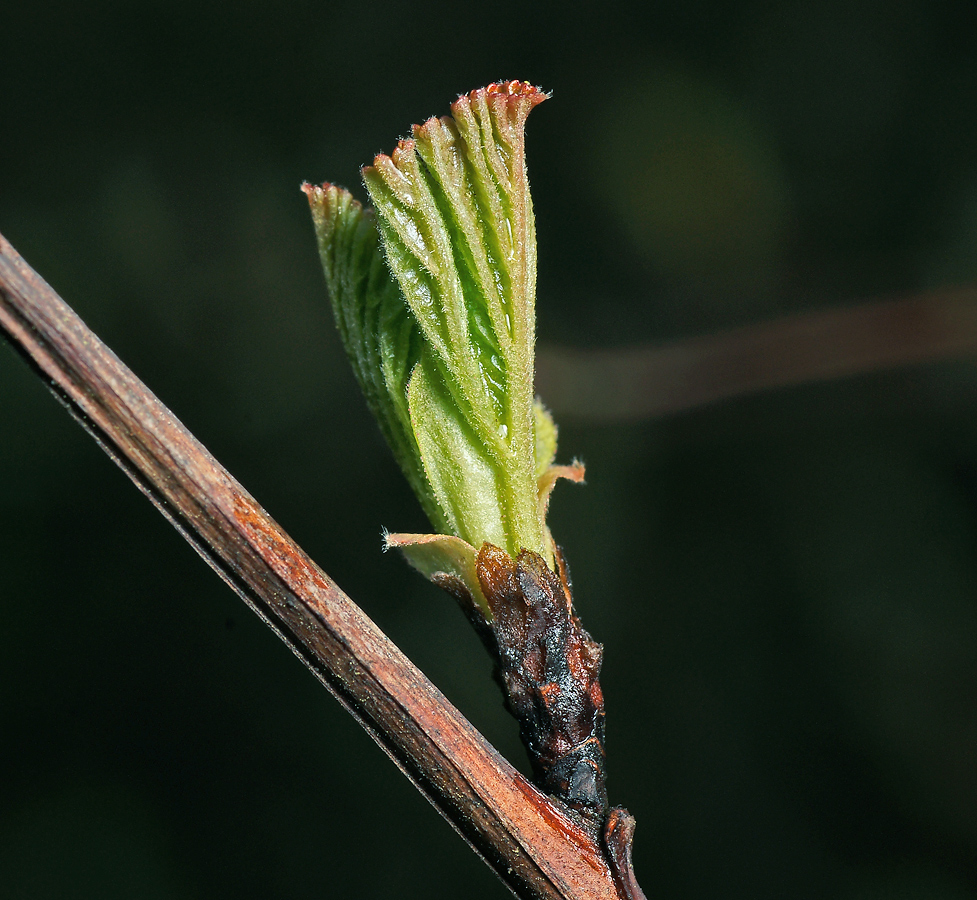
pixel 786 585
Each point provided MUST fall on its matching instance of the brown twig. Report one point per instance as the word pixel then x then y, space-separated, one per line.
pixel 639 382
pixel 537 850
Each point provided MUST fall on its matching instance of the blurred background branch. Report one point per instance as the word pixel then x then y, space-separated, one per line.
pixel 630 383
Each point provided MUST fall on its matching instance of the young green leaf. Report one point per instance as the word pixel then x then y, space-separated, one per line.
pixel 457 224
pixel 442 336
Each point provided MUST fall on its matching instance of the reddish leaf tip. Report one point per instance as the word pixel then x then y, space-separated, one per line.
pixel 514 89
pixel 326 194
pixel 314 191
pixel 513 93
pixel 423 131
pixel 520 96
pixel 512 99
pixel 405 146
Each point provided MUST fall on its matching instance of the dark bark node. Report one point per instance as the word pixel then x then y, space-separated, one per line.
pixel 549 667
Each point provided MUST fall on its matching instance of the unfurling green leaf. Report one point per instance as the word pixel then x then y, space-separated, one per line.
pixel 441 333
